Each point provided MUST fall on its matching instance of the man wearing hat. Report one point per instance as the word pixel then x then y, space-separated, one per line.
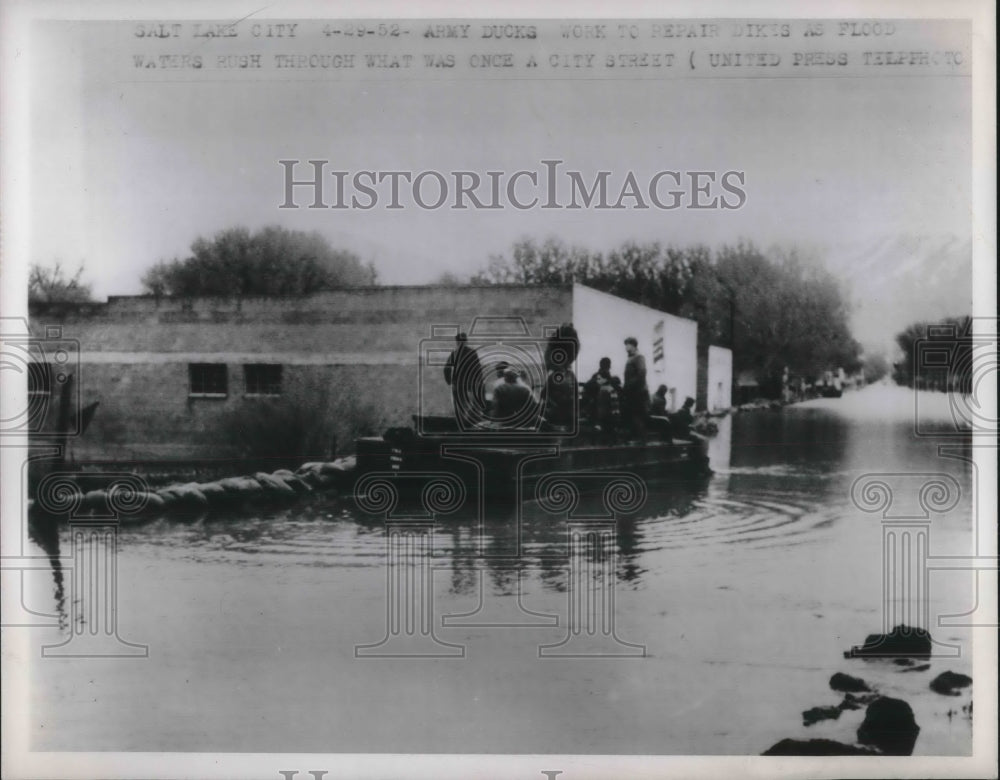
pixel 464 373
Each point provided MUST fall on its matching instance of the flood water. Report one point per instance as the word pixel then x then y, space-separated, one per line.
pixel 744 592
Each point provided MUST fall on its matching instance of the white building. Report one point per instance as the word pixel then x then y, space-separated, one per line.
pixel 669 343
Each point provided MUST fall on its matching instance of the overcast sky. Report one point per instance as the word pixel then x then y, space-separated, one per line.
pixel 128 171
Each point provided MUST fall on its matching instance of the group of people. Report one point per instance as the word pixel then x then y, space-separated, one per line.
pixel 509 400
pixel 624 407
pixel 615 409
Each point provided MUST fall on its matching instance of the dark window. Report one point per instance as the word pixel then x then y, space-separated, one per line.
pixel 208 379
pixel 39 379
pixel 262 378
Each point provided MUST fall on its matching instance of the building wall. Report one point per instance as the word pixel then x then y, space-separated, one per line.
pixel 720 379
pixel 603 322
pixel 351 360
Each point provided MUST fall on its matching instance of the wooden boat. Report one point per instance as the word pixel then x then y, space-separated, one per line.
pixel 512 463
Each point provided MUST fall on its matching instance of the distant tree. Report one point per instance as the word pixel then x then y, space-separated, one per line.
pixel 53 285
pixel 771 309
pixel 952 364
pixel 272 261
pixel 875 366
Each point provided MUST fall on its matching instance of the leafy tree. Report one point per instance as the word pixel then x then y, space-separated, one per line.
pixel 272 261
pixel 951 368
pixel 772 310
pixel 53 285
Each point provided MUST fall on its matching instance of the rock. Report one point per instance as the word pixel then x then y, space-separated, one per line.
pixel 313 467
pixel 847 684
pixel 902 641
pixel 889 726
pixel 920 668
pixel 817 714
pixel 815 747
pixel 950 683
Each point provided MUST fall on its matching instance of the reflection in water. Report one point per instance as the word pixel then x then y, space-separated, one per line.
pixel 44 531
pixel 781 478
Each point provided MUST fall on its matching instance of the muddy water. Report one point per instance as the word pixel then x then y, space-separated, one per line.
pixel 743 591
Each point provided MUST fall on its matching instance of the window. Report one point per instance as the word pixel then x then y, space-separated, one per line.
pixel 208 379
pixel 262 378
pixel 39 379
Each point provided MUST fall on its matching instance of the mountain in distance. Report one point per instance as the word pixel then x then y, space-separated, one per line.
pixel 895 281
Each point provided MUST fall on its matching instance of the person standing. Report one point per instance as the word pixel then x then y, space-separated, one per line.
pixel 635 393
pixel 464 373
pixel 559 395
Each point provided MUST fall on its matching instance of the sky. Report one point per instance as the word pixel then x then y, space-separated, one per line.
pixel 129 168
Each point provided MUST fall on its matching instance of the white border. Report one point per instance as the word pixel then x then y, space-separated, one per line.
pixel 15 183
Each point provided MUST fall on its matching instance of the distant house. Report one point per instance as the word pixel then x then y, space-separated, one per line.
pixel 168 371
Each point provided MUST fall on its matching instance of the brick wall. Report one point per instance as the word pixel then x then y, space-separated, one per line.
pixel 352 357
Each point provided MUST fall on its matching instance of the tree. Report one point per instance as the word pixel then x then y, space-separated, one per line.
pixel 52 285
pixel 936 355
pixel 771 309
pixel 272 261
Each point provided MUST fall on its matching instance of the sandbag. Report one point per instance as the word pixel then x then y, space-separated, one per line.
pixel 154 505
pixel 95 502
pixel 214 493
pixel 191 495
pixel 297 484
pixel 243 487
pixel 274 487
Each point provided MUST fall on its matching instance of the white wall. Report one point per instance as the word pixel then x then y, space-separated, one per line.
pixel 720 378
pixel 604 321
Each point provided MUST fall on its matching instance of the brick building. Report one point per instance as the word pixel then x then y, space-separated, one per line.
pixel 185 378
